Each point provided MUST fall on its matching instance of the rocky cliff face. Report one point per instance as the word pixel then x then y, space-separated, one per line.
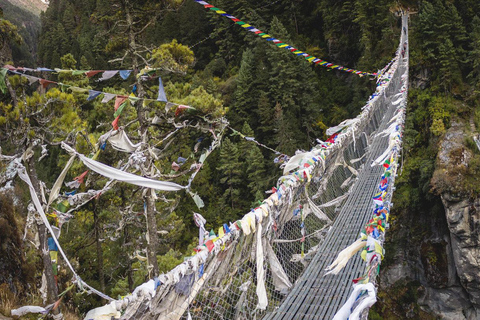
pixel 456 171
pixel 435 267
pixel 463 217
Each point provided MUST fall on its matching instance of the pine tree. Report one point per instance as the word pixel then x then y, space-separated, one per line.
pixel 373 40
pixel 244 145
pixel 256 173
pixel 474 55
pixel 229 35
pixel 449 71
pixel 284 139
pixel 252 163
pixel 230 170
pixel 441 39
pixel 244 97
pixel 266 118
pixel 293 90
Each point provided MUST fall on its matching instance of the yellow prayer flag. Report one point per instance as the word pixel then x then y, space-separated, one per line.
pixel 364 255
pixel 54 255
pixel 221 233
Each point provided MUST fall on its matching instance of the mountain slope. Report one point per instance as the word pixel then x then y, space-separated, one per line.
pixel 33 6
pixel 29 27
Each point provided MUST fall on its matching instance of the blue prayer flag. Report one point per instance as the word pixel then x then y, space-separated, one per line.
pixel 161 91
pixel 125 74
pixel 92 94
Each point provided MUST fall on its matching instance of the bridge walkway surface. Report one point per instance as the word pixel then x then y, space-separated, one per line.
pixel 314 295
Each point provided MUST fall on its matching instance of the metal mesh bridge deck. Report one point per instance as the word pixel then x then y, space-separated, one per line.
pixel 316 296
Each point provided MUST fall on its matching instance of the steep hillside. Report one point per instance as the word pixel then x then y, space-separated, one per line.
pixel 29 27
pixel 32 6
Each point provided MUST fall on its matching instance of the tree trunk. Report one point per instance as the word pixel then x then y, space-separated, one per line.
pixel 12 92
pixel 152 236
pixel 100 271
pixel 52 289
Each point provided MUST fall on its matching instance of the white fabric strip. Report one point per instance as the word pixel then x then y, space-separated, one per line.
pixel 108 74
pixel 346 311
pixel 24 176
pixel 261 291
pixel 107 97
pixel 121 142
pixel 279 277
pixel 342 125
pixel 119 175
pixel 58 184
pixel 334 201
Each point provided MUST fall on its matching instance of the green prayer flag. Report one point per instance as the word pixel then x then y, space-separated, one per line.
pixel 63 86
pixel 55 269
pixel 78 90
pixel 78 72
pixel 198 201
pixel 63 206
pixel 120 109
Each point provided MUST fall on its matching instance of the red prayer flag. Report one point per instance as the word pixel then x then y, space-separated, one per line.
pixel 45 83
pixel 119 100
pixel 175 166
pixel 81 177
pixel 115 123
pixel 93 72
pixel 210 245
pixel 180 110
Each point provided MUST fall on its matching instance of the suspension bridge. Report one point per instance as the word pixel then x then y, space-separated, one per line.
pixel 279 261
pixel 272 263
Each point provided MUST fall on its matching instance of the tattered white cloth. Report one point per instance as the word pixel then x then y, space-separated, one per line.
pixel 120 175
pixel 342 125
pixel 351 312
pixel 119 141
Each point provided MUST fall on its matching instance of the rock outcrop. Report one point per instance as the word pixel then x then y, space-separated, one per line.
pixel 462 209
pixel 435 268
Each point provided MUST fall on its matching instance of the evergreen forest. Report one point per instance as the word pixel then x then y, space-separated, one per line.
pixel 235 107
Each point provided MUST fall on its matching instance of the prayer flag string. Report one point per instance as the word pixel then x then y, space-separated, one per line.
pixel 281 44
pixel 146 73
pixel 92 94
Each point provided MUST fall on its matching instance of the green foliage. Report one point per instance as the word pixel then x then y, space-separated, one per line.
pixel 173 57
pixel 256 173
pixel 440 38
pixel 401 298
pixel 244 98
pixel 229 167
pixel 17 270
pixel 8 32
pixel 202 100
pixel 474 55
